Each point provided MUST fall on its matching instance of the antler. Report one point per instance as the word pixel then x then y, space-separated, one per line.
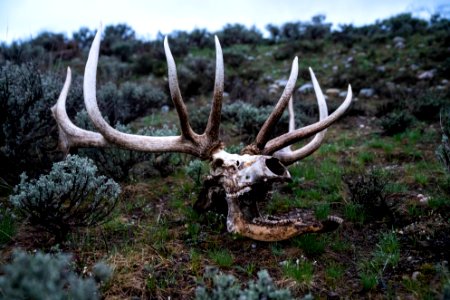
pixel 279 147
pixel 188 142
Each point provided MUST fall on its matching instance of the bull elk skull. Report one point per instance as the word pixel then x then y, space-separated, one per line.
pixel 240 181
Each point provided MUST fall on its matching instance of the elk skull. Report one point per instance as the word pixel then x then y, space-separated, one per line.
pixel 238 182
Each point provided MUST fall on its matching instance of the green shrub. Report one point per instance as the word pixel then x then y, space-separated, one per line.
pixel 426 106
pixel 45 276
pixel 396 122
pixel 233 34
pixel 368 192
pixel 234 57
pixel 129 101
pixel 249 119
pixel 443 151
pixel 7 225
pixel 196 169
pixel 71 195
pixel 28 134
pixel 196 76
pixel 226 287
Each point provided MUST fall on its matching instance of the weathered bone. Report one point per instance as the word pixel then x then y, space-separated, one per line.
pixel 239 181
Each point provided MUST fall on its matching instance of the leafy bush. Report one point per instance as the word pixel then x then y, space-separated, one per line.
pixel 196 76
pixel 233 34
pixel 45 276
pixel 426 106
pixel 130 101
pixel 71 195
pixel 226 287
pixel 28 135
pixel 396 122
pixel 443 151
pixel 196 169
pixel 249 119
pixel 7 225
pixel 368 191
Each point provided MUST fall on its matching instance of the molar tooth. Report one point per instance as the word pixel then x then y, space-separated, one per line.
pixel 335 219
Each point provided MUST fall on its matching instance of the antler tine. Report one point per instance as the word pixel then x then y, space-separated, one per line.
pixel 175 93
pixel 288 156
pixel 213 126
pixel 113 136
pixel 291 115
pixel 69 134
pixel 266 129
pixel 307 131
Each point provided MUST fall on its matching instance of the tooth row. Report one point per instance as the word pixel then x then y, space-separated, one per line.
pixel 274 221
pixel 335 219
pixel 239 193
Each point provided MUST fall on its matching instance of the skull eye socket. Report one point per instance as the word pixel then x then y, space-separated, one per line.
pixel 218 163
pixel 275 166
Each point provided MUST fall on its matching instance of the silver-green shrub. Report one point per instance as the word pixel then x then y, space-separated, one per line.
pixel 130 100
pixel 195 170
pixel 27 130
pixel 44 276
pixel 116 162
pixel 71 195
pixel 226 287
pixel 443 151
pixel 249 118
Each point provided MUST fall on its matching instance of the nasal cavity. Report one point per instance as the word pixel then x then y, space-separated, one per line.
pixel 275 166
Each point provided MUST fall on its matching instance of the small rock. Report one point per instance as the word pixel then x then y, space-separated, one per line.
pixel 367 92
pixel 350 59
pixel 332 92
pixel 381 69
pixel 335 69
pixel 414 67
pixel 426 75
pixel 343 94
pixel 333 296
pixel 268 79
pixel 444 81
pixel 165 109
pixel 306 88
pixel 399 46
pixel 281 82
pixel 415 275
pixel 423 199
pixel 398 39
pixel 273 88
